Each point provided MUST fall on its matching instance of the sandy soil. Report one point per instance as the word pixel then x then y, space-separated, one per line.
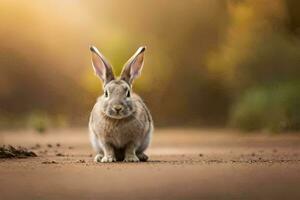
pixel 184 164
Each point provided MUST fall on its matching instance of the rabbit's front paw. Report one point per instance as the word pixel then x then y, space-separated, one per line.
pixel 106 159
pixel 131 158
pixel 98 158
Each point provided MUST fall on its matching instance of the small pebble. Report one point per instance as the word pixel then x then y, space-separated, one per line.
pixel 50 162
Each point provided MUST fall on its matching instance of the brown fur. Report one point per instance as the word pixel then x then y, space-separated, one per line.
pixel 125 134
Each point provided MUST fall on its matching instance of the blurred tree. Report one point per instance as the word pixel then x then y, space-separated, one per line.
pixel 202 56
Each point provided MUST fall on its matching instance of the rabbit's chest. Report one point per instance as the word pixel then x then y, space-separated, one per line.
pixel 120 134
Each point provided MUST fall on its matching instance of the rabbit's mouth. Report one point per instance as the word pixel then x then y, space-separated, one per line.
pixel 117 115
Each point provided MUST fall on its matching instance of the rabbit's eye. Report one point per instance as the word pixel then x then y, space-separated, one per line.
pixel 128 93
pixel 106 93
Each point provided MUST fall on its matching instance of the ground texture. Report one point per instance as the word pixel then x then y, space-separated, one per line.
pixel 184 164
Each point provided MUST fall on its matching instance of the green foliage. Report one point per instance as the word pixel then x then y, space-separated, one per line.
pixel 39 122
pixel 200 54
pixel 275 108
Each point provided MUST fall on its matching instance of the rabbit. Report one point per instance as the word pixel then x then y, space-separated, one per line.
pixel 120 124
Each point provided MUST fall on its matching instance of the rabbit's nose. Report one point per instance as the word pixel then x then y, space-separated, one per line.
pixel 118 108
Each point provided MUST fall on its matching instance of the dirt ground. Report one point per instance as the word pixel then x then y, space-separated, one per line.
pixel 184 164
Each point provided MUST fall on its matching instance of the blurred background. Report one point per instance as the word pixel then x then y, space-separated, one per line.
pixel 209 63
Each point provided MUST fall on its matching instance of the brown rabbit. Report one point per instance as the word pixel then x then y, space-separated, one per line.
pixel 120 123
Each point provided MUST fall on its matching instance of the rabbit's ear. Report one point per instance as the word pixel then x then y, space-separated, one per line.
pixel 101 67
pixel 133 67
